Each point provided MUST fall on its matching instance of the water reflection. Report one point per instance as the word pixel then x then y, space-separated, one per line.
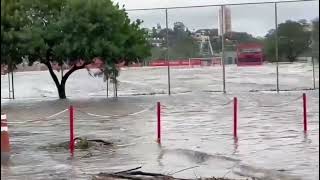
pixel 235 145
pixel 306 138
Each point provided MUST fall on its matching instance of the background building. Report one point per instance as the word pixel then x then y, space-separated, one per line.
pixel 226 19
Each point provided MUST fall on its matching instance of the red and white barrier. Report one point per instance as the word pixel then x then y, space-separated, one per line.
pixel 5 143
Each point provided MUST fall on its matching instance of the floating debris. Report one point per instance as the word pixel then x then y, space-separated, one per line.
pixel 81 144
pixel 132 174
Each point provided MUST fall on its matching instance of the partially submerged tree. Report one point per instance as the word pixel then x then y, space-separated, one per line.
pixel 76 32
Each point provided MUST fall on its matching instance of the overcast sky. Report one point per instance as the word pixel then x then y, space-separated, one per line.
pixel 254 19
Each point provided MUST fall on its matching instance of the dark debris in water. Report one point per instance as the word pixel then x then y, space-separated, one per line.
pixel 133 174
pixel 140 175
pixel 81 144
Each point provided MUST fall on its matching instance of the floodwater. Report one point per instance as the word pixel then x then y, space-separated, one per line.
pixel 197 124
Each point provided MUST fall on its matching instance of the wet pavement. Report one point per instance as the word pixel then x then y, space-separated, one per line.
pixel 197 124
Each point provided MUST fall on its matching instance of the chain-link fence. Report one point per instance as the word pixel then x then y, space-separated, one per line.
pixel 265 46
pixel 7 81
pixel 271 46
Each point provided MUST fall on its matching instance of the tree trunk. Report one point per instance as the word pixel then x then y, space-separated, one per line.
pixel 62 91
pixel 61 86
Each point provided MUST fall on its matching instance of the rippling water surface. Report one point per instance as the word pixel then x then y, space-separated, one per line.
pixel 197 124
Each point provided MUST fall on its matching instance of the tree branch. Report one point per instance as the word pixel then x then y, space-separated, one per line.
pixel 73 69
pixel 53 75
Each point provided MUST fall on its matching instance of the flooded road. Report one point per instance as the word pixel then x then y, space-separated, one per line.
pixel 197 124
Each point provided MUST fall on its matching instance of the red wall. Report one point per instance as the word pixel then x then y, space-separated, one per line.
pixel 258 56
pixel 175 63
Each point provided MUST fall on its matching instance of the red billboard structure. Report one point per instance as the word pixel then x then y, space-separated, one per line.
pixel 250 54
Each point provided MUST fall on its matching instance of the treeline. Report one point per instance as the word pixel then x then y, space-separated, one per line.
pixel 295 38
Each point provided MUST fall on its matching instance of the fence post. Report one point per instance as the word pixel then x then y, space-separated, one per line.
pixel 167 53
pixel 9 83
pixel 235 117
pixel 305 123
pixel 159 122
pixel 71 144
pixel 313 74
pixel 276 43
pixel 222 26
pixel 12 84
pixel 107 87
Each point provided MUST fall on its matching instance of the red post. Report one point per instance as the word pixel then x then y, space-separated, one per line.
pixel 305 123
pixel 235 116
pixel 159 122
pixel 71 144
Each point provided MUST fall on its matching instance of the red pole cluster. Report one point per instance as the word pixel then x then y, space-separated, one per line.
pixel 235 117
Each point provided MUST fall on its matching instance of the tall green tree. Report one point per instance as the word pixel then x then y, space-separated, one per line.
pixel 293 40
pixel 77 31
pixel 12 21
pixel 181 43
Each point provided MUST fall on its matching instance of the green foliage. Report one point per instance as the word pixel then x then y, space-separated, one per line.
pixel 41 30
pixel 12 20
pixel 158 53
pixel 315 38
pixel 231 41
pixel 181 44
pixel 293 40
pixel 84 30
pixel 70 32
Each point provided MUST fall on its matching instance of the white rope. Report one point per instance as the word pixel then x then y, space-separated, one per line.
pixel 142 111
pixel 35 120
pixel 116 115
pixel 48 117
pixel 227 103
pixel 96 115
pixel 282 104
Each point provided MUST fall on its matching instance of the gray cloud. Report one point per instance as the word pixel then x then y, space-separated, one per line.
pixel 254 19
